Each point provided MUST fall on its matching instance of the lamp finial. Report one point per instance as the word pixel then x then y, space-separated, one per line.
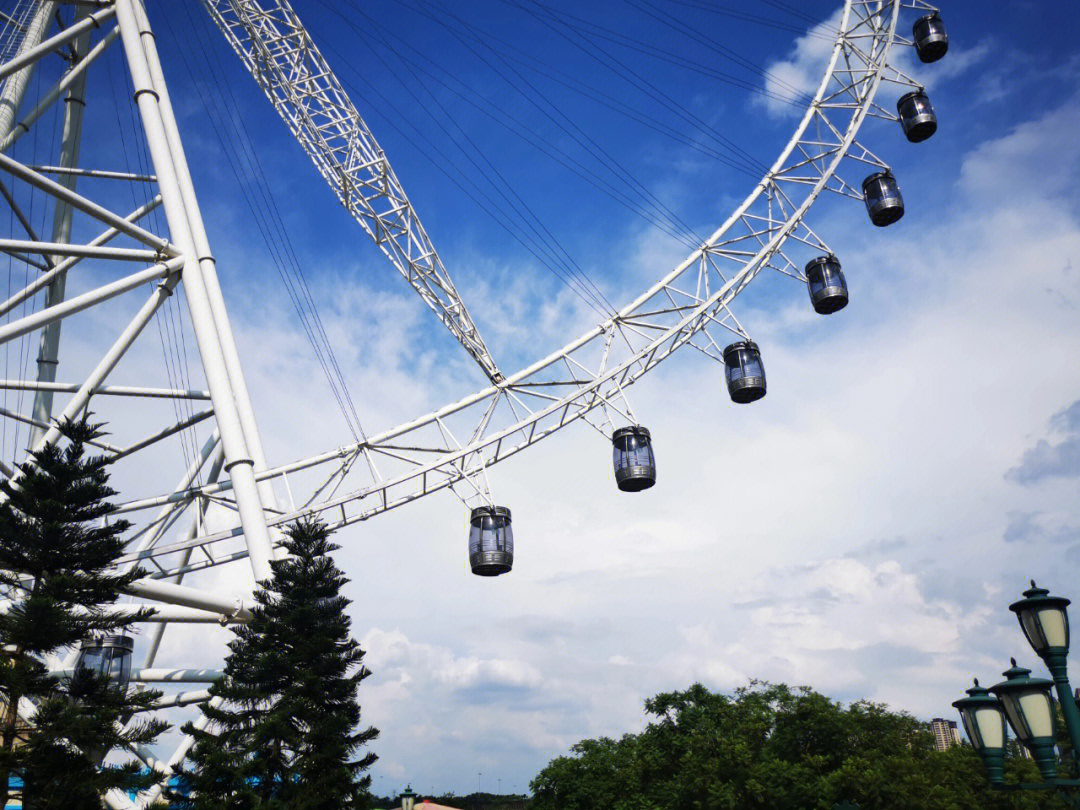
pixel 1012 661
pixel 976 681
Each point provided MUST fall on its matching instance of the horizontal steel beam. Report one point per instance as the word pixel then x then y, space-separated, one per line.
pixel 156 675
pixel 86 300
pixel 162 613
pixel 45 279
pixel 230 606
pixel 73 249
pixel 99 173
pixel 47 46
pixel 182 699
pixel 106 390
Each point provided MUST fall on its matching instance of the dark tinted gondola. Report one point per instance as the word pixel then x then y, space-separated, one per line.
pixel 107 657
pixel 916 116
pixel 745 372
pixel 931 40
pixel 632 454
pixel 883 201
pixel 491 541
pixel 827 285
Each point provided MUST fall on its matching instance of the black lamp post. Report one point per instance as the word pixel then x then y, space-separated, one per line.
pixel 984 722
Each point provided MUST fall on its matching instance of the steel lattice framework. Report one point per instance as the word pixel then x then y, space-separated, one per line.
pixel 277 50
pixel 450 448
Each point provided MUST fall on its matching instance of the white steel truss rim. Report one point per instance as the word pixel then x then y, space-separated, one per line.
pixel 880 35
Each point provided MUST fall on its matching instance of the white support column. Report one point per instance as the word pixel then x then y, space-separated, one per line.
pixel 159 630
pixel 15 86
pixel 49 347
pixel 238 457
pixel 206 259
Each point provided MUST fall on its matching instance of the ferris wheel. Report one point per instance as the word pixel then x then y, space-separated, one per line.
pixel 228 507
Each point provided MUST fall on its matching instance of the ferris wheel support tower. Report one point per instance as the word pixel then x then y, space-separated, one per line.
pixel 217 348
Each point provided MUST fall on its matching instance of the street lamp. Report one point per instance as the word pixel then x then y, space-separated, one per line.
pixel 1045 622
pixel 984 722
pixel 408 798
pixel 1030 712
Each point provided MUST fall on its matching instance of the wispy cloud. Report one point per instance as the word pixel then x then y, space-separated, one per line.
pixel 1053 459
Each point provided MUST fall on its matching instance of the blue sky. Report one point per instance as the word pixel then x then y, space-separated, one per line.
pixel 861 530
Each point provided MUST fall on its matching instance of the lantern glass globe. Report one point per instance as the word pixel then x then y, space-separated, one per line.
pixel 1045 622
pixel 1031 714
pixel 989 725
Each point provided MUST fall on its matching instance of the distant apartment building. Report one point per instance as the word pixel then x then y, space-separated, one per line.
pixel 946 734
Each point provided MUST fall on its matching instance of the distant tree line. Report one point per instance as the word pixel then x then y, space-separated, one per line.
pixel 771 747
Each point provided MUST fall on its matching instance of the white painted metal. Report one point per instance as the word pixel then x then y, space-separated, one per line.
pixel 29 55
pixel 73 79
pixel 280 54
pixel 17 79
pixel 169 166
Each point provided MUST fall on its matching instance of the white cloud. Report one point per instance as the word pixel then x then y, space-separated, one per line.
pixel 799 74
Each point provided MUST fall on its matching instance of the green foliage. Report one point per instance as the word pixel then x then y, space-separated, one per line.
pixel 768 747
pixel 285 715
pixel 57 555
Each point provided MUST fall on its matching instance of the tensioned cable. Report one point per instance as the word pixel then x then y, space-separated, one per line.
pixel 244 164
pixel 430 150
pixel 800 96
pixel 592 93
pixel 651 49
pixel 167 318
pixel 484 37
pixel 257 212
pixel 675 228
pixel 748 64
pixel 794 11
pixel 528 134
pixel 31 302
pixel 743 16
pixel 627 73
pixel 517 204
pixel 553 112
pixel 285 240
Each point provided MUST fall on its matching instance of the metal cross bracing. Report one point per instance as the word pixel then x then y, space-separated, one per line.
pixel 227 482
pixel 279 53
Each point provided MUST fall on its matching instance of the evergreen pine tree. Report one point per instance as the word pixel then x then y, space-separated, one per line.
pixel 284 725
pixel 56 562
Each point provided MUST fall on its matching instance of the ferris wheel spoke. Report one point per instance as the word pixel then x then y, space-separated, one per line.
pixel 287 65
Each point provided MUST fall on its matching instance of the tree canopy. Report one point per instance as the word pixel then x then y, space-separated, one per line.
pixel 57 556
pixel 284 719
pixel 769 746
